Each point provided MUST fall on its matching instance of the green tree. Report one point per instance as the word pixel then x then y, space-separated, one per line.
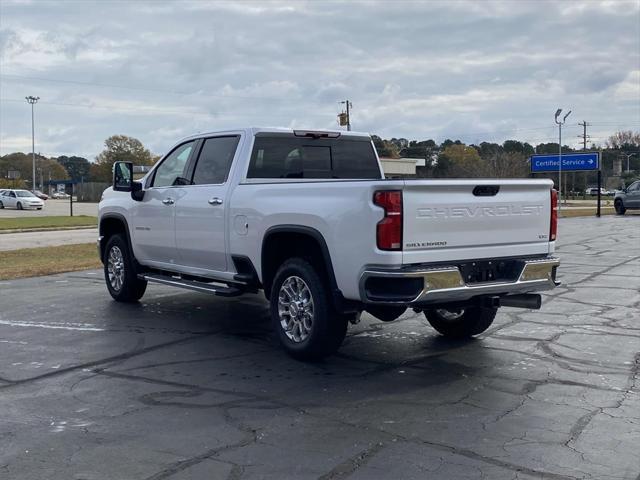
pixel 459 160
pixel 487 149
pixel 552 148
pixel 515 146
pixel 385 148
pixel 76 167
pixel 119 148
pixel 46 168
pixel 423 149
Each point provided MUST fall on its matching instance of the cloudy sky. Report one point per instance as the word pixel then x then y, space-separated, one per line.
pixel 160 70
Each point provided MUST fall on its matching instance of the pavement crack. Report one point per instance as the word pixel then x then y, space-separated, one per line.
pixel 580 425
pixel 107 360
pixel 346 468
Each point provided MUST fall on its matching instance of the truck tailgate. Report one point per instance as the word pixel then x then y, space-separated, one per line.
pixel 446 220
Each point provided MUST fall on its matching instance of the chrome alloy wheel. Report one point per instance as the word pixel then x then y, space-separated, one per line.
pixel 295 309
pixel 115 268
pixel 450 315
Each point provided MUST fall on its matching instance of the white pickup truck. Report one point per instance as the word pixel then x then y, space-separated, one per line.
pixel 307 217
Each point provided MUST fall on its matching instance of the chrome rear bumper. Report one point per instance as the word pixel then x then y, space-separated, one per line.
pixel 446 284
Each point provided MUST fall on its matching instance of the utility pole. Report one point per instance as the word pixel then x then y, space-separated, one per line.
pixel 33 100
pixel 560 123
pixel 584 135
pixel 345 118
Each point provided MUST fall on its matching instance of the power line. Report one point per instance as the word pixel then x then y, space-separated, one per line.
pixel 154 110
pixel 142 89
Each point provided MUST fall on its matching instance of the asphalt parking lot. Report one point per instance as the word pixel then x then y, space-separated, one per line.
pixel 186 386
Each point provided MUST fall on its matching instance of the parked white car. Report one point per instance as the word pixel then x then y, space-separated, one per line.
pixel 593 191
pixel 60 196
pixel 20 199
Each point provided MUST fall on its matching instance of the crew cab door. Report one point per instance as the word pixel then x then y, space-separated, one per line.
pixel 201 208
pixel 154 217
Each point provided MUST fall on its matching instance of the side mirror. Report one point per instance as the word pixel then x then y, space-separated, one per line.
pixel 123 180
pixel 137 193
pixel 123 176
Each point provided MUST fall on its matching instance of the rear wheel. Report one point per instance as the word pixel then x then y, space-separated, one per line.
pixel 120 272
pixel 461 323
pixel 619 206
pixel 1 205
pixel 19 206
pixel 303 315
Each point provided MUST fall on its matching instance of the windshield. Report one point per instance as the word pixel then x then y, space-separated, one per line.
pixel 24 193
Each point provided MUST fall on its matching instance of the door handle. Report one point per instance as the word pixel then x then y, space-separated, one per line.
pixel 215 201
pixel 168 201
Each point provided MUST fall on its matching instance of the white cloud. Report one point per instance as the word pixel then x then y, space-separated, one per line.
pixel 477 70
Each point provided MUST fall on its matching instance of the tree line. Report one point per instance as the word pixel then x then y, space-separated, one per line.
pixel 453 158
pixel 449 159
pixel 116 148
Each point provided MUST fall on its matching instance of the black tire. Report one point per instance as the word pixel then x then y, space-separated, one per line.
pixel 619 206
pixel 128 287
pixel 19 206
pixel 467 322
pixel 327 328
pixel 1 205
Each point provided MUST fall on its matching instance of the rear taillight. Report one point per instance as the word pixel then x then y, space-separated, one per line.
pixel 389 229
pixel 553 228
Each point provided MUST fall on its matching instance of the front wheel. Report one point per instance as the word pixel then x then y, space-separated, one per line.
pixel 1 205
pixel 120 272
pixel 303 315
pixel 619 206
pixel 461 323
pixel 19 206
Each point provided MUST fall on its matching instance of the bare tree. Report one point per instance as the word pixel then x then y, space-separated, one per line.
pixel 506 165
pixel 624 139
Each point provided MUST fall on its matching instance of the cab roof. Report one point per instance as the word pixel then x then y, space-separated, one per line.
pixel 278 130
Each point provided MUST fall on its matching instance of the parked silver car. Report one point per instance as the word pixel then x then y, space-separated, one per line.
pixel 627 199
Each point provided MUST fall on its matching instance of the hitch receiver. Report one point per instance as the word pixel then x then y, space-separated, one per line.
pixel 531 301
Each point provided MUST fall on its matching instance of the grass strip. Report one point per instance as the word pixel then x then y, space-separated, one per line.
pixel 47 222
pixel 32 262
pixel 585 212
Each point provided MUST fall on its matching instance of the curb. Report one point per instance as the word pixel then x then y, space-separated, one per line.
pixel 47 229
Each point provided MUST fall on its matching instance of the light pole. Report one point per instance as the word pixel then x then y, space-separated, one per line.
pixel 560 123
pixel 33 100
pixel 628 157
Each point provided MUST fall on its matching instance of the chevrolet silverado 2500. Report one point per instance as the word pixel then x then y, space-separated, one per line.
pixel 308 218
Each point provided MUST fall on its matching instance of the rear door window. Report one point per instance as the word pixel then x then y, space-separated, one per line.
pixel 214 161
pixel 295 157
